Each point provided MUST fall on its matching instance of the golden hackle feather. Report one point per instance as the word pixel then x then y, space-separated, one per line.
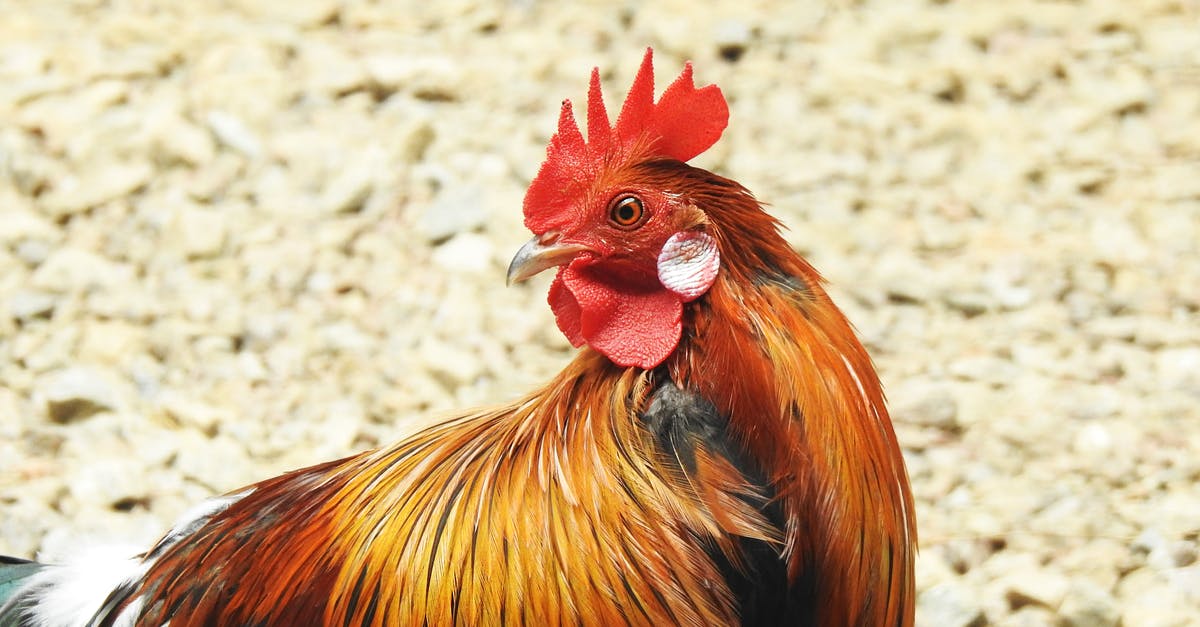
pixel 807 403
pixel 564 508
pixel 557 509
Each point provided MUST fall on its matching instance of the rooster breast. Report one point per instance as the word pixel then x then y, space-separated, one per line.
pixel 612 497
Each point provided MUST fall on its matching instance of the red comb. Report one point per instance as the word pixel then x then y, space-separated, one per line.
pixel 682 124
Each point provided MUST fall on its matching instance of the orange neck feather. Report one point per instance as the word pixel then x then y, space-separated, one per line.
pixel 774 354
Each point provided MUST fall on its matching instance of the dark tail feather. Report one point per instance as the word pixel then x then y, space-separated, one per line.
pixel 13 574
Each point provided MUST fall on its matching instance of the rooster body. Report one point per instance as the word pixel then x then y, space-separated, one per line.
pixel 718 453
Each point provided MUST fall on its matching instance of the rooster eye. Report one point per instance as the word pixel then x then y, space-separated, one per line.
pixel 627 212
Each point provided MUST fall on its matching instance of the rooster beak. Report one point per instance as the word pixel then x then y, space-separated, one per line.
pixel 540 253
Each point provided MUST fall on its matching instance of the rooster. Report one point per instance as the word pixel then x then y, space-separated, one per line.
pixel 718 453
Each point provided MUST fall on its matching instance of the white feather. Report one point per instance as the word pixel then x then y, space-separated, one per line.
pixel 69 594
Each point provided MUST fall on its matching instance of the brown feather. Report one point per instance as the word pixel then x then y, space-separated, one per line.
pixel 557 509
pixel 564 507
pixel 809 407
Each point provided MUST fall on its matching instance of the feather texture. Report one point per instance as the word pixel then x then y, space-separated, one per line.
pixel 807 404
pixel 759 452
pixel 562 508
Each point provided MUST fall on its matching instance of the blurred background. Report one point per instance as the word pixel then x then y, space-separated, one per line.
pixel 242 237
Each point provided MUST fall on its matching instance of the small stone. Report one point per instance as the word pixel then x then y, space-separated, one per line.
pixel 1006 289
pixel 303 13
pixel 940 235
pixel 1163 554
pixel 109 479
pixel 1040 587
pixel 263 328
pixel 969 302
pixel 22 224
pixel 929 165
pixel 429 77
pixel 906 279
pixel 331 69
pixel 671 35
pixel 986 369
pixel 29 305
pixel 415 139
pixel 339 428
pixel 197 233
pixel 95 186
pixel 73 269
pixel 1117 242
pixel 1100 402
pixel 1177 511
pixel 1179 367
pixel 251 366
pixel 177 138
pixel 1099 561
pixel 1183 554
pixel 1146 600
pixel 212 182
pixel 452 365
pixel 1029 616
pixel 1093 439
pixel 732 38
pixel 465 252
pixel 349 189
pixel 191 412
pixel 344 336
pixel 75 393
pixel 33 252
pixel 926 404
pixel 219 463
pixel 1088 605
pixel 25 522
pixel 950 604
pixel 457 209
pixel 963 555
pixel 1186 581
pixel 1127 91
pixel 933 569
pixel 231 131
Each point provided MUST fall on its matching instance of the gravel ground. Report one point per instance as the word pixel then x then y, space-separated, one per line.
pixel 244 238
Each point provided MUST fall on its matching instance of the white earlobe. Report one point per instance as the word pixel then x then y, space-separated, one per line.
pixel 688 264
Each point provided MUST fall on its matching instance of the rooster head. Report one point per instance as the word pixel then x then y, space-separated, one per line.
pixel 630 246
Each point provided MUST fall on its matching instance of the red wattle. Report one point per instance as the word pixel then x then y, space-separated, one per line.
pixel 566 310
pixel 631 328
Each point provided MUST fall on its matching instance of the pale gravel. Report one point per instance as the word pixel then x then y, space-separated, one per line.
pixel 240 240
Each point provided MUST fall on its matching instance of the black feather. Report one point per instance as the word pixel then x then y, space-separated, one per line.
pixel 14 601
pixel 683 422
